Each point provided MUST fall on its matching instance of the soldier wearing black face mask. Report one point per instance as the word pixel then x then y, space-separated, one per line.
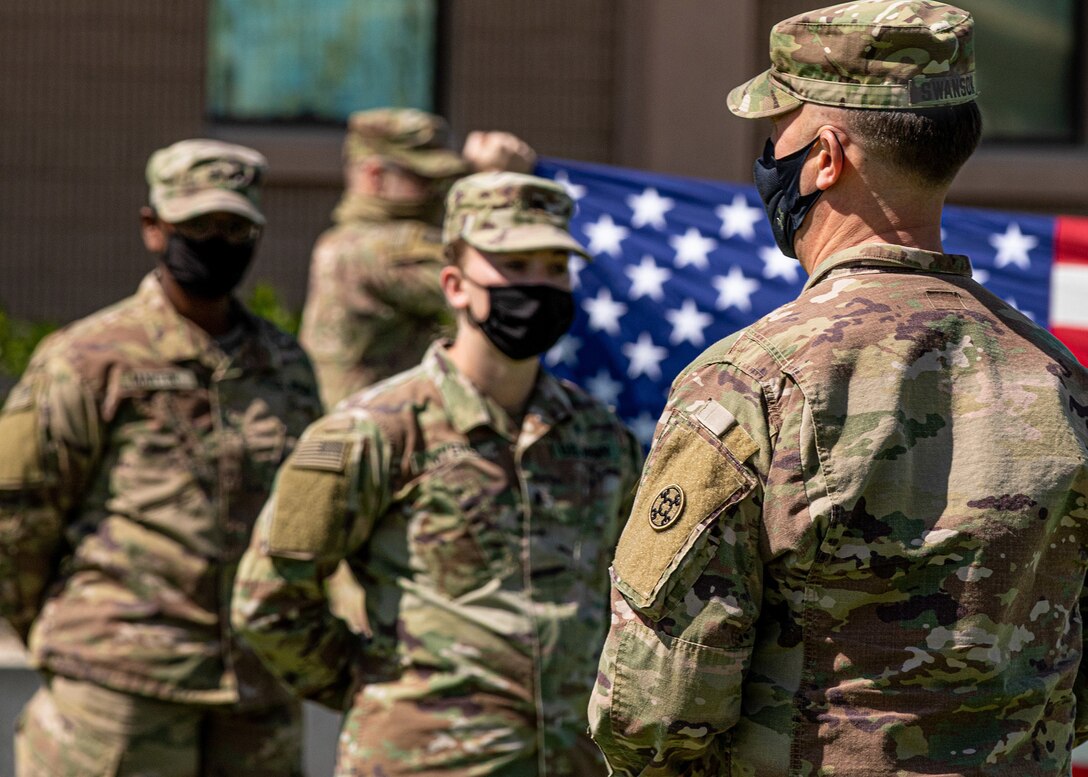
pixel 203 223
pixel 139 447
pixel 477 499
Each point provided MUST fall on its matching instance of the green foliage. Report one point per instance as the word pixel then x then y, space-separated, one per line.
pixel 18 338
pixel 265 302
pixel 17 341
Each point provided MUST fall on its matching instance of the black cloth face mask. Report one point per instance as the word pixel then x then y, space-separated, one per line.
pixel 525 320
pixel 779 184
pixel 209 268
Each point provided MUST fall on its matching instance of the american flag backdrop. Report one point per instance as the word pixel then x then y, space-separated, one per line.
pixel 681 263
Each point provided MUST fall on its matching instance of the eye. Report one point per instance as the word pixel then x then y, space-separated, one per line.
pixel 515 266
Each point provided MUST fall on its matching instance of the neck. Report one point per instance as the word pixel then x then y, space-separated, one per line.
pixel 496 375
pixel 211 315
pixel 830 231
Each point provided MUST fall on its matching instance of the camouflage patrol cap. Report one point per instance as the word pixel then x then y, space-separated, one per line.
pixel 508 212
pixel 906 54
pixel 416 140
pixel 194 177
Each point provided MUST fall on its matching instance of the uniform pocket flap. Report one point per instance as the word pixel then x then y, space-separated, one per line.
pixel 690 479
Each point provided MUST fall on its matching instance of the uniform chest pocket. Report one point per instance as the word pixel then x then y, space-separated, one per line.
pixel 576 514
pixel 163 466
pixel 463 530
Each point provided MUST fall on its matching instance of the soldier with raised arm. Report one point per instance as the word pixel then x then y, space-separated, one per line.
pixel 374 303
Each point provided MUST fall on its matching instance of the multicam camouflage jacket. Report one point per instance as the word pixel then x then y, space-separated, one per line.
pixel 859 544
pixel 137 456
pixel 483 549
pixel 374 301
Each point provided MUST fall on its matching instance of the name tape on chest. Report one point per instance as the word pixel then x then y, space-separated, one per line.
pixel 158 380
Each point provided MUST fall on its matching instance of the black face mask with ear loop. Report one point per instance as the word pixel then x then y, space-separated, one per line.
pixel 779 184
pixel 525 320
pixel 208 269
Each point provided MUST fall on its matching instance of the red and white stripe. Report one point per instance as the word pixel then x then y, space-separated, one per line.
pixel 1069 286
pixel 1069 322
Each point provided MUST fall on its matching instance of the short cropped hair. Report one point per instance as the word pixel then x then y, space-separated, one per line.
pixel 929 145
pixel 454 252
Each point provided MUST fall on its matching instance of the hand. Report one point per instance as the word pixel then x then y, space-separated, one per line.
pixel 495 151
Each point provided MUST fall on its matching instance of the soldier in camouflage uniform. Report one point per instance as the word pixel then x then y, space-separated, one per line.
pixel 139 447
pixel 859 543
pixel 374 303
pixel 478 499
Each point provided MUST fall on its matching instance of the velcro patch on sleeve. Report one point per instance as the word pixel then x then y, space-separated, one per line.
pixel 21 462
pixel 689 481
pixel 321 455
pixel 309 505
pixel 720 422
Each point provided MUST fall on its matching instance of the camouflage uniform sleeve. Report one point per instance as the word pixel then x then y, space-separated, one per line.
pixel 632 466
pixel 411 285
pixel 51 435
pixel 322 508
pixel 1080 684
pixel 686 583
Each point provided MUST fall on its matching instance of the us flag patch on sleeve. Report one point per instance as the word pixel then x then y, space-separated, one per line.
pixel 322 455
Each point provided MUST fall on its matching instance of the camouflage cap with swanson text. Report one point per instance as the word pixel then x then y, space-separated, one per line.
pixel 408 137
pixel 194 177
pixel 884 54
pixel 510 212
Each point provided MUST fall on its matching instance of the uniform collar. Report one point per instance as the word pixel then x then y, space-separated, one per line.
pixel 178 339
pixel 885 255
pixel 468 408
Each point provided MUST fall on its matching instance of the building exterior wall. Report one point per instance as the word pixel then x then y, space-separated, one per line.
pixel 92 89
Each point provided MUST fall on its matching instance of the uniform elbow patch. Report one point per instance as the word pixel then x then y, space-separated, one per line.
pixel 310 502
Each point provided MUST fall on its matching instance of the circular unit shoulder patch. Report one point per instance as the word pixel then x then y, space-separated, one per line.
pixel 667 507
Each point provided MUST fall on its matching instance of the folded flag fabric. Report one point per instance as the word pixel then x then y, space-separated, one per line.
pixel 681 263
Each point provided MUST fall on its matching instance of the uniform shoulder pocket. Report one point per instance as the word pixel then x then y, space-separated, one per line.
pixel 691 479
pixel 309 504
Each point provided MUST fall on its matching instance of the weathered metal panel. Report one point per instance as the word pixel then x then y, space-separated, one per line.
pixel 319 59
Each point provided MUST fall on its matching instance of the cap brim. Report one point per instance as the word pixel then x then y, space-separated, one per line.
pixel 177 209
pixel 761 97
pixel 528 237
pixel 433 163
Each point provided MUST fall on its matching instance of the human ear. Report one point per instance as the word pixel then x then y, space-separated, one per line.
pixel 830 159
pixel 151 231
pixel 453 286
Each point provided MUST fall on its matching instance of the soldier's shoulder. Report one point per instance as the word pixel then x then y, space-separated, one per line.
pixel 391 404
pixel 587 407
pixel 92 345
pixel 581 400
pixel 283 343
pixel 739 349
